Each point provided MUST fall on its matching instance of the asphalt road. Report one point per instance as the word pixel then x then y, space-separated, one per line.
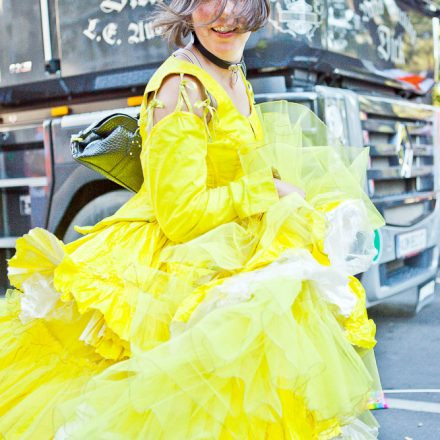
pixel 408 356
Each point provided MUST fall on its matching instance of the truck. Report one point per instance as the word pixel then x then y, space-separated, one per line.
pixel 365 67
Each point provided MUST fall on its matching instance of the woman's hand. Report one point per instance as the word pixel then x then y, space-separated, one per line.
pixel 285 188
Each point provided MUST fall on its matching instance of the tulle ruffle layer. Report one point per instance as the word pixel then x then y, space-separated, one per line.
pixel 267 366
pixel 42 364
pixel 255 329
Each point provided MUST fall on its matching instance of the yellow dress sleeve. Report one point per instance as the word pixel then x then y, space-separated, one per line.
pixel 176 173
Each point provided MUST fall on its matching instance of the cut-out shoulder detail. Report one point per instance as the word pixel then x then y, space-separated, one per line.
pixel 183 91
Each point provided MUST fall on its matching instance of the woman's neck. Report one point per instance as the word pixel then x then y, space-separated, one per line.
pixel 224 75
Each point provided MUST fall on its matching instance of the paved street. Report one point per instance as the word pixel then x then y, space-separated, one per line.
pixel 408 355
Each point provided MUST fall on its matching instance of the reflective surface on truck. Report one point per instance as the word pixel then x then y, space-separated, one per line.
pixel 387 38
pixel 108 35
pixel 401 174
pixel 23 186
pixel 402 182
pixel 21 51
pixel 379 41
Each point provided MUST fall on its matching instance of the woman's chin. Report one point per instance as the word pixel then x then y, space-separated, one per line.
pixel 226 47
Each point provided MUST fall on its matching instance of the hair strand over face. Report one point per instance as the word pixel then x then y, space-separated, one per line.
pixel 174 21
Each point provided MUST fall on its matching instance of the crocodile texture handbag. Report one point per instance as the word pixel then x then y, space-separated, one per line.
pixel 112 148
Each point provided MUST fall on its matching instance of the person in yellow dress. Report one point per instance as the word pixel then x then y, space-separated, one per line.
pixel 219 302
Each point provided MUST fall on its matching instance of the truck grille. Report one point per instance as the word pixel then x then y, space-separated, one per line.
pixel 401 180
pixel 404 269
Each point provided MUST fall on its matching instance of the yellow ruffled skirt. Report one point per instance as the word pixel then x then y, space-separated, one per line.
pixel 254 330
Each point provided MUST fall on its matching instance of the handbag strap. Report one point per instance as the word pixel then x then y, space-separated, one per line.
pixel 189 55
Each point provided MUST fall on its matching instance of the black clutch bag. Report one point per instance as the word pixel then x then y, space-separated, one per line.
pixel 112 148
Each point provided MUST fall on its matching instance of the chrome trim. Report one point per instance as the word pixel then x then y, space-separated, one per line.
pixel 404 199
pixel 396 107
pixel 8 242
pixel 436 42
pixel 45 26
pixel 396 173
pixel 379 150
pixel 390 127
pixel 286 96
pixel 24 181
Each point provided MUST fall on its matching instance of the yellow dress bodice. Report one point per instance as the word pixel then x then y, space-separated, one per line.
pixel 217 144
pixel 228 130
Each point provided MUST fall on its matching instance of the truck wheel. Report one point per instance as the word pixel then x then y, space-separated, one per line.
pixel 99 208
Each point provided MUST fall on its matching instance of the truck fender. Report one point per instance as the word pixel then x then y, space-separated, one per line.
pixel 96 210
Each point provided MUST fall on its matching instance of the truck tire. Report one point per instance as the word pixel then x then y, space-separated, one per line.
pixel 99 208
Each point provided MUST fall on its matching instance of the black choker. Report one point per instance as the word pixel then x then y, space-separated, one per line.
pixel 214 59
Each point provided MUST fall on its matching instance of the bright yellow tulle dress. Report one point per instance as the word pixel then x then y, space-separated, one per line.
pixel 206 307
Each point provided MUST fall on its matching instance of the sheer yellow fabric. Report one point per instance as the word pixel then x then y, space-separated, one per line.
pixel 206 299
